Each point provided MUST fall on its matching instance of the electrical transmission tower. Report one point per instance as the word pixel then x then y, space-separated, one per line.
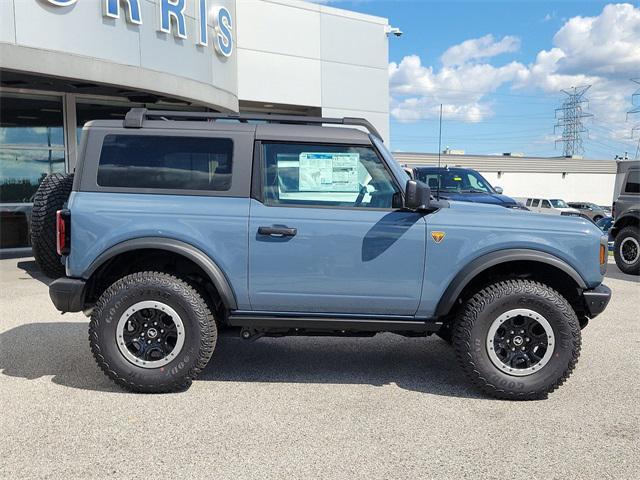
pixel 569 118
pixel 635 101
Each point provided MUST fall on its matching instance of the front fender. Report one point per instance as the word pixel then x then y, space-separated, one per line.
pixel 480 264
pixel 632 217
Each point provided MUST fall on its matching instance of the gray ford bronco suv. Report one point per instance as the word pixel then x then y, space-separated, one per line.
pixel 181 225
pixel 626 212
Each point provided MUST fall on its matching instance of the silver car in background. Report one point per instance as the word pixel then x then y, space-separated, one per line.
pixel 591 210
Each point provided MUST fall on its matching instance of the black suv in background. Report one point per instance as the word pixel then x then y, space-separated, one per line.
pixel 626 213
pixel 462 184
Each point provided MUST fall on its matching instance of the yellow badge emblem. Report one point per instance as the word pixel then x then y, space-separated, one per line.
pixel 437 236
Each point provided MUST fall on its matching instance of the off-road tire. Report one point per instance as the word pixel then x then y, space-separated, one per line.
pixel 472 326
pixel 632 232
pixel 199 330
pixel 51 196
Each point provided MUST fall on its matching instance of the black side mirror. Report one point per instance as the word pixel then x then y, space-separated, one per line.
pixel 417 195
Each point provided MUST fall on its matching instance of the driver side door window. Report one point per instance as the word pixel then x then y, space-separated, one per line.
pixel 327 176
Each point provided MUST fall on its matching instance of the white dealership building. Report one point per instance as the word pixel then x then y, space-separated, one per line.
pixel 65 62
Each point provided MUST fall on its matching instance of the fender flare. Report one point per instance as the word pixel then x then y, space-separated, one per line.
pixel 215 273
pixel 629 215
pixel 480 264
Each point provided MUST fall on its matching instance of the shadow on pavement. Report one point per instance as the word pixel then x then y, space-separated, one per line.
pixel 614 272
pixel 57 349
pixel 417 364
pixel 61 350
pixel 30 267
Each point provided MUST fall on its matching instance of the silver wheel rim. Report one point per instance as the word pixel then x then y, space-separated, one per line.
pixel 152 337
pixel 629 250
pixel 494 348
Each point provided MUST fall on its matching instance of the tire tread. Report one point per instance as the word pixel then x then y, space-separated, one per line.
pixel 462 334
pixel 51 196
pixel 628 231
pixel 196 303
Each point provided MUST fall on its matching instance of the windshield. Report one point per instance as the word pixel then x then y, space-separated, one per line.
pixel 557 203
pixel 458 180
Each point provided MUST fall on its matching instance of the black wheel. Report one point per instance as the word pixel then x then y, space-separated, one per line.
pixel 152 332
pixel 51 196
pixel 517 339
pixel 626 250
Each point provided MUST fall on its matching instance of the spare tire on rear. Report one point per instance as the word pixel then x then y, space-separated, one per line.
pixel 50 197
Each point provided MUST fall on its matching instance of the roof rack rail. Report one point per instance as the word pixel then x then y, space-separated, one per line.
pixel 136 117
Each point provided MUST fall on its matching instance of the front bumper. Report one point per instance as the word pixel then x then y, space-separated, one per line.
pixel 67 294
pixel 596 300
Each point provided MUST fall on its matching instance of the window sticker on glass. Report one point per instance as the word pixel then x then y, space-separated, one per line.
pixel 329 172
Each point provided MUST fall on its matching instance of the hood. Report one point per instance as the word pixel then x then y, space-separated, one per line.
pixel 490 198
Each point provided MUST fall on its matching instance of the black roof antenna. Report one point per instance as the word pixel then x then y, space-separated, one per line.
pixel 439 152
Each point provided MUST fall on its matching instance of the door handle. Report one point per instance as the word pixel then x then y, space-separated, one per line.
pixel 278 231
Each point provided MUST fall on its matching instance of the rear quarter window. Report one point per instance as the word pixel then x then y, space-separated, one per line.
pixel 633 182
pixel 166 162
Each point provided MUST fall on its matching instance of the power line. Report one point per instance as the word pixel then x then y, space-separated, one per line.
pixel 570 116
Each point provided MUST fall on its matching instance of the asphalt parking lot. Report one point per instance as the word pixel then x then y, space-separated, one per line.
pixel 386 407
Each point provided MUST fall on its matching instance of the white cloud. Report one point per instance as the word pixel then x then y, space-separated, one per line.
pixel 602 51
pixel 479 48
pixel 417 91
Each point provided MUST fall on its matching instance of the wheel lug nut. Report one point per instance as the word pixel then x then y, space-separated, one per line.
pixel 145 326
pixel 513 349
pixel 528 339
pixel 148 341
pixel 522 348
pixel 161 331
pixel 161 341
pixel 521 331
pixel 155 323
pixel 511 332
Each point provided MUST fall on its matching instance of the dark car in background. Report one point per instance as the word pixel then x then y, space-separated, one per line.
pixel 462 184
pixel 605 225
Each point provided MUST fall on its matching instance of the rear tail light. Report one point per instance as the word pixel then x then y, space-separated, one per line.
pixel 63 232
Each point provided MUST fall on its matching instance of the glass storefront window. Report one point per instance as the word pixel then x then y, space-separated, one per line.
pixel 24 169
pixel 31 147
pixel 87 110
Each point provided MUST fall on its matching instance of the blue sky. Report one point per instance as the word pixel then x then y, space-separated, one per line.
pixel 501 81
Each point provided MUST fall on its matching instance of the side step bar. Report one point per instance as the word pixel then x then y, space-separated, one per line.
pixel 331 323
